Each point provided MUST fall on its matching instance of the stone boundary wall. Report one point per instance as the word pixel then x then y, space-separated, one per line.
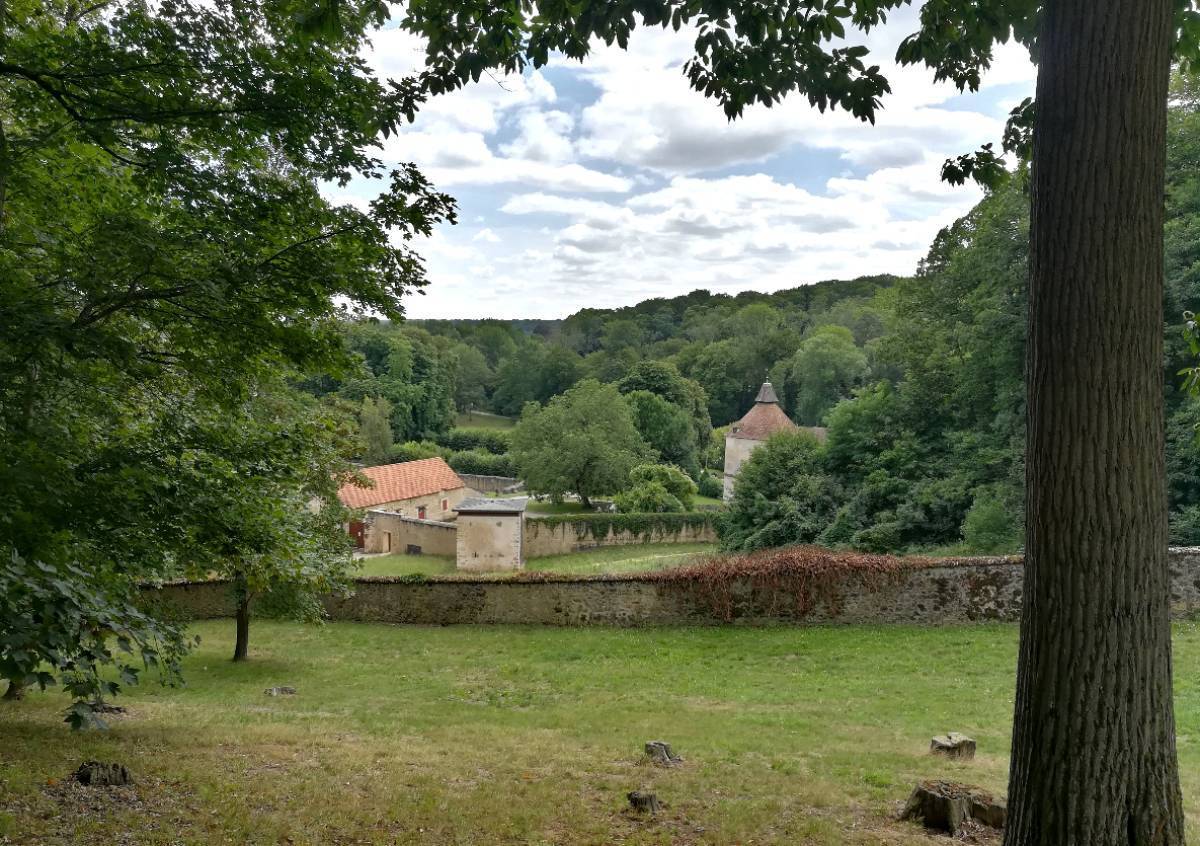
pixel 545 537
pixel 951 591
pixel 434 537
pixel 490 484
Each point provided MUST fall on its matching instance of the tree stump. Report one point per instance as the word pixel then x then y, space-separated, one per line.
pixel 660 753
pixel 283 690
pixel 100 774
pixel 939 805
pixel 953 745
pixel 946 806
pixel 643 803
pixel 988 811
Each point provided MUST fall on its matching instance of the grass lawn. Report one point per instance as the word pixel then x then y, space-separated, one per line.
pixel 613 559
pixel 622 559
pixel 399 564
pixel 498 735
pixel 483 420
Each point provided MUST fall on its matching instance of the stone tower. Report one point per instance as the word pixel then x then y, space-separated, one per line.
pixel 748 434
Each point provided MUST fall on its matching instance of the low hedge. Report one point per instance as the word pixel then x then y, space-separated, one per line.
pixel 495 441
pixel 480 463
pixel 645 526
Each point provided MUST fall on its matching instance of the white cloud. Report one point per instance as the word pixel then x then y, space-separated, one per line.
pixel 544 136
pixel 612 183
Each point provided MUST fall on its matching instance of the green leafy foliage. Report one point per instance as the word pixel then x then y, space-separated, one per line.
pixel 61 624
pixel 415 451
pixel 376 430
pixel 666 428
pixel 482 463
pixel 824 369
pixel 495 441
pixel 656 488
pixel 648 527
pixel 583 441
pixel 168 265
pixel 781 496
pixel 710 485
pixel 992 525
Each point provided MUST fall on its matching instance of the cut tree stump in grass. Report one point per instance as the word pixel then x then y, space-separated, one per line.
pixel 643 803
pixel 953 745
pixel 660 753
pixel 101 774
pixel 947 806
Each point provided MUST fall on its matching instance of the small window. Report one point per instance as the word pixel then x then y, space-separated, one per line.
pixel 420 512
pixel 445 504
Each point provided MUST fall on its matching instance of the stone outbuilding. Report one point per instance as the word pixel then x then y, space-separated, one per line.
pixel 427 489
pixel 491 534
pixel 752 431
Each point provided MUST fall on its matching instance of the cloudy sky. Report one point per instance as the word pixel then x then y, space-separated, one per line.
pixel 606 183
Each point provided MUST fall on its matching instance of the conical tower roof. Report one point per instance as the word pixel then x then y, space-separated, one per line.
pixel 764 419
pixel 767 394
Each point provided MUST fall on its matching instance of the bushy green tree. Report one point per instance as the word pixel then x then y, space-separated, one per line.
pixel 656 488
pixel 665 380
pixel 473 378
pixel 824 370
pixel 375 425
pixel 782 496
pixel 265 495
pixel 164 247
pixel 993 525
pixel 666 428
pixel 518 378
pixel 416 451
pixel 583 442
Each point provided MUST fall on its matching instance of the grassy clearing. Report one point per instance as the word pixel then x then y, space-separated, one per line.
pixel 622 559
pixel 483 420
pixel 482 735
pixel 406 565
pixel 613 559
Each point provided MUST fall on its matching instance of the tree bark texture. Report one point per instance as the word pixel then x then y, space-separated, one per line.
pixel 1093 755
pixel 242 616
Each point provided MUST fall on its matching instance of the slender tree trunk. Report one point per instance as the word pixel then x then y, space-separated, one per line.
pixel 242 596
pixel 1093 756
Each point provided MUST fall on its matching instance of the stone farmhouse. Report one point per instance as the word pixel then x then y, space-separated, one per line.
pixel 427 489
pixel 762 421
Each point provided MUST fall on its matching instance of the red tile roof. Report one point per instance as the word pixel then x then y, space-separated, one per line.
pixel 395 482
pixel 760 422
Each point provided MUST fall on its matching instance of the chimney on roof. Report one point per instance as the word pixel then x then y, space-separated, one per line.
pixel 767 394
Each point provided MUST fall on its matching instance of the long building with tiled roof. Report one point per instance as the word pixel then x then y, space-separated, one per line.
pixel 428 489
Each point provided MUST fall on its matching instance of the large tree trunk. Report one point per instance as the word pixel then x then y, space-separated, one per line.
pixel 242 597
pixel 1093 758
pixel 14 691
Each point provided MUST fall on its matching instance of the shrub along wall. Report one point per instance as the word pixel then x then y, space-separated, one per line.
pixel 797 586
pixel 559 535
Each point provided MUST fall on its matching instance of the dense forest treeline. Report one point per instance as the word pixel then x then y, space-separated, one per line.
pixel 918 380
